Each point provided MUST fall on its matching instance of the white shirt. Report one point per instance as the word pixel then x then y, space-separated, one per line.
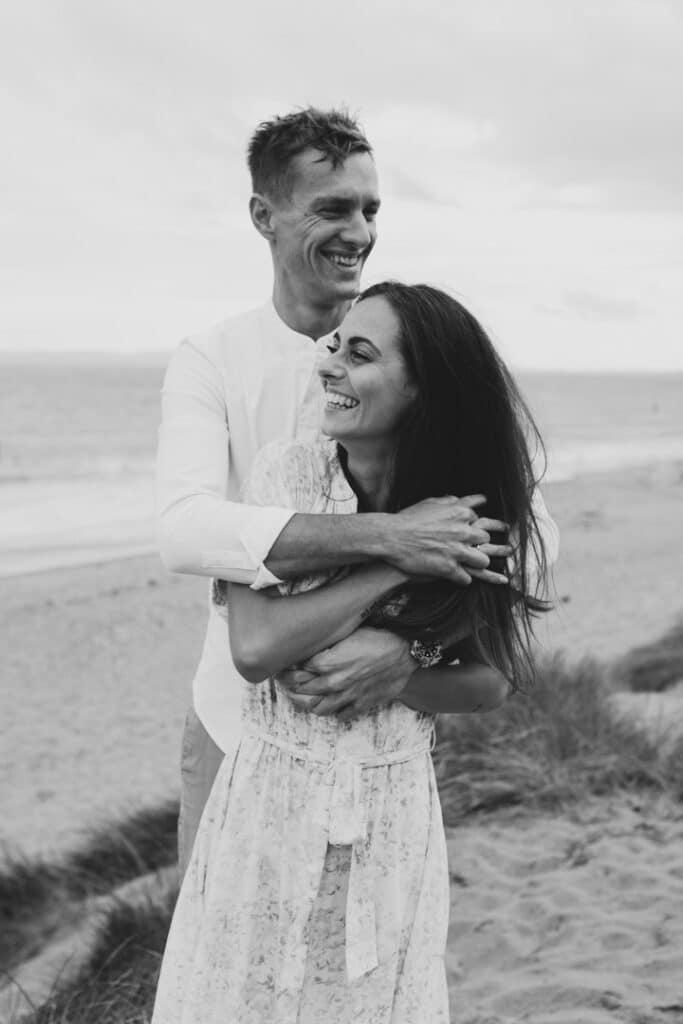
pixel 247 381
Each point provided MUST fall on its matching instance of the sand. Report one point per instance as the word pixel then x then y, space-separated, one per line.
pixel 575 918
pixel 572 919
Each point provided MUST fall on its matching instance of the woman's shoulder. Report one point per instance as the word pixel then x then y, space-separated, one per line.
pixel 295 459
pixel 298 474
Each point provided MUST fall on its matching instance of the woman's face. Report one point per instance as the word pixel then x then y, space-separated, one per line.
pixel 368 391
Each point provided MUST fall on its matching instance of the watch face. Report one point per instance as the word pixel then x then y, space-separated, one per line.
pixel 426 655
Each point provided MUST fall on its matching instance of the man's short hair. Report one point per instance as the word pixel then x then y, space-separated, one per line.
pixel 276 142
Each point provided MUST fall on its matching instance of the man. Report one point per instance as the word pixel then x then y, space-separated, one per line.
pixel 251 380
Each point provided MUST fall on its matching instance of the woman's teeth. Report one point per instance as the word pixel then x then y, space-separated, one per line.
pixel 341 401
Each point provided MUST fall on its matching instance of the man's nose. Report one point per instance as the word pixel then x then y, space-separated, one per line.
pixel 358 231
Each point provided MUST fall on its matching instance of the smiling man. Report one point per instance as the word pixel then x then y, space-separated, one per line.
pixel 251 380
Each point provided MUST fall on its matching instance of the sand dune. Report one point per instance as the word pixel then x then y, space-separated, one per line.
pixel 575 919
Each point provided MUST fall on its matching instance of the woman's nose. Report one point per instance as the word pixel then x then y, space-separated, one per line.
pixel 329 367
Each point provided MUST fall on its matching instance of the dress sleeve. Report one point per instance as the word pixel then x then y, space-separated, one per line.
pixel 199 530
pixel 287 474
pixel 295 476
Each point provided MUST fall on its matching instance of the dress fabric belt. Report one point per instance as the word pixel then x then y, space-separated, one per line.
pixel 348 827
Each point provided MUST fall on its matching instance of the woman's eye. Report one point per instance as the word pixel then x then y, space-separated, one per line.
pixel 359 356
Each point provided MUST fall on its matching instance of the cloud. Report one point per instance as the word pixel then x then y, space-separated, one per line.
pixel 596 306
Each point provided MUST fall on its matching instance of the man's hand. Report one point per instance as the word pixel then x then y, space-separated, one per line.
pixel 367 669
pixel 444 537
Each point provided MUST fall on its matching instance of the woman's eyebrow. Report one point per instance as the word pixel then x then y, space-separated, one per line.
pixel 357 339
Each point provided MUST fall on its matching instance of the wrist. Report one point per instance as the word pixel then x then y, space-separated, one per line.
pixel 379 532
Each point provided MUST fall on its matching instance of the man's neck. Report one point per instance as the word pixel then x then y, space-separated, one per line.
pixel 304 318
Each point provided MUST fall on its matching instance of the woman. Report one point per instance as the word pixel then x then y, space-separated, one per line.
pixel 318 885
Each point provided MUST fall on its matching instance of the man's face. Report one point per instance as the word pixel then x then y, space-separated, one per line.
pixel 325 230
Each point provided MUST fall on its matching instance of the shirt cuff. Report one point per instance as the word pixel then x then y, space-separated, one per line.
pixel 258 536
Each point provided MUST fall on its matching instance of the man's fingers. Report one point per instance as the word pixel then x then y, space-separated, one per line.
pixel 459 576
pixel 302 702
pixel 473 500
pixel 496 550
pixel 331 705
pixel 492 525
pixel 472 556
pixel 293 677
pixel 489 576
pixel 323 686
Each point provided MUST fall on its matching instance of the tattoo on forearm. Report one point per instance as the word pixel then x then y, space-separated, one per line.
pixel 367 612
pixel 477 707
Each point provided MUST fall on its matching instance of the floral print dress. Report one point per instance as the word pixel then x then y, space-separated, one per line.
pixel 317 889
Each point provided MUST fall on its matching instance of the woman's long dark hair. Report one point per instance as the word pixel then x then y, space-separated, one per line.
pixel 468 432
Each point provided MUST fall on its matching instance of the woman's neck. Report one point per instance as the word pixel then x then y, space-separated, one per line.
pixel 367 467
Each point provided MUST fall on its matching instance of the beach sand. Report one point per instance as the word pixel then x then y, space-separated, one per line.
pixel 574 918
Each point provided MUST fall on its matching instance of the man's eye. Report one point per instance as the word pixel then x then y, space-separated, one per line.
pixel 332 348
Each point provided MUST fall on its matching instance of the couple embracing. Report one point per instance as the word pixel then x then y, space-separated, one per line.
pixel 366 508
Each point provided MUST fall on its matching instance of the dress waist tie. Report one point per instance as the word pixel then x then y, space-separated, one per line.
pixel 347 826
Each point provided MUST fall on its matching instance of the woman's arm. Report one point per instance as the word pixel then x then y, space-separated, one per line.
pixel 456 689
pixel 271 633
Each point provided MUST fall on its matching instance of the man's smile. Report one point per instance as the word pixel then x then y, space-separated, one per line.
pixel 346 260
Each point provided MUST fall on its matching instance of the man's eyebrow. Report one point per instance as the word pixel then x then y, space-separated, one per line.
pixel 345 200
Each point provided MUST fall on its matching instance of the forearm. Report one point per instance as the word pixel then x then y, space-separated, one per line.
pixel 310 543
pixel 269 634
pixel 456 689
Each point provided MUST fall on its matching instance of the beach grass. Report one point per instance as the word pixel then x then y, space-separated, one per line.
pixel 38 898
pixel 117 981
pixel 559 743
pixel 652 667
pixel 550 748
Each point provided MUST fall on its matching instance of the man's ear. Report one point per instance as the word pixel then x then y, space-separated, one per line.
pixel 261 210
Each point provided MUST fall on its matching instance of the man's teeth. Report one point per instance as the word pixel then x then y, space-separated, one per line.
pixel 344 261
pixel 343 401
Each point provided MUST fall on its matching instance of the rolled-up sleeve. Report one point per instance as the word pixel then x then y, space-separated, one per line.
pixel 200 531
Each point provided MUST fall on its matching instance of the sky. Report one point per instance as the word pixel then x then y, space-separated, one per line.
pixel 530 158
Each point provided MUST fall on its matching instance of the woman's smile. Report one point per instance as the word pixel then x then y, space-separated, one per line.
pixel 339 401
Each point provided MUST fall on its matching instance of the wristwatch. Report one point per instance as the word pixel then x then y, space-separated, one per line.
pixel 426 655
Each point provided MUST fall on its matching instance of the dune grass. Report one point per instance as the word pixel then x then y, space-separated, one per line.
pixel 653 667
pixel 118 980
pixel 550 748
pixel 558 744
pixel 39 897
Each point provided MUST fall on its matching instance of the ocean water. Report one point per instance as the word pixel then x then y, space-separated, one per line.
pixel 78 437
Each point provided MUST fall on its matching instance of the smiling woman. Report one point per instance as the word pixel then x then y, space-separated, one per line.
pixel 326 816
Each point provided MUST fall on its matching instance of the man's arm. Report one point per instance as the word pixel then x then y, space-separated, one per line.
pixel 202 533
pixel 199 530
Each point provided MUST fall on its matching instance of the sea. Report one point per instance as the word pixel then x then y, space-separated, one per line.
pixel 78 437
